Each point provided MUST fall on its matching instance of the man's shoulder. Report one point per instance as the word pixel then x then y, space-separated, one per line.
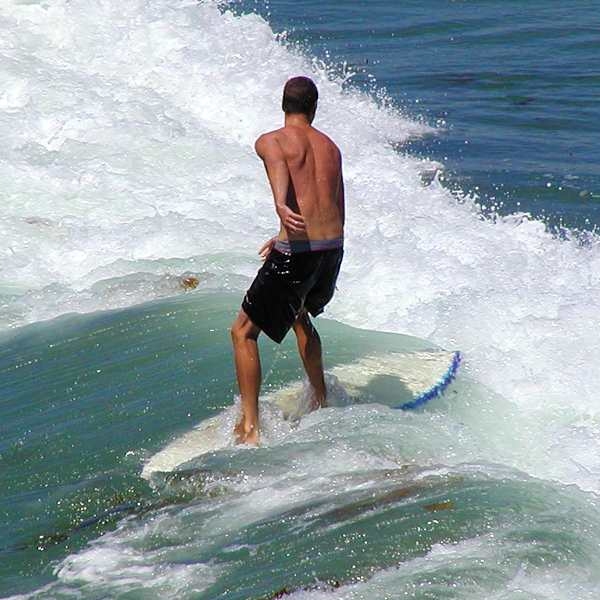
pixel 270 135
pixel 266 141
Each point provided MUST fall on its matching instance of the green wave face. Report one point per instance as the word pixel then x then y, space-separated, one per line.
pixel 87 398
pixel 349 498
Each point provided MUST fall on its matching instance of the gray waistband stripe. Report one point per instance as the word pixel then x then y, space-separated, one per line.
pixel 291 247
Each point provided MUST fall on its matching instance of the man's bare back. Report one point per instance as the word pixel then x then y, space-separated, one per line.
pixel 304 168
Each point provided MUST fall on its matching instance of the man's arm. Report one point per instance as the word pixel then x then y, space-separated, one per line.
pixel 269 150
pixel 342 197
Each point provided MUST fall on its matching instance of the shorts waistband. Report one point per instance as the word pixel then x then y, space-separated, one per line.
pixel 294 246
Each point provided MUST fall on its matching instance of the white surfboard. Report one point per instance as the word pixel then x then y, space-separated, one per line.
pixel 402 380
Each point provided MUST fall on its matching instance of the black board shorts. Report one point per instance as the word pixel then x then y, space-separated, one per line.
pixel 288 283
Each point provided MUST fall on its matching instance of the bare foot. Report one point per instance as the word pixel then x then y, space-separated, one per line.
pixel 245 437
pixel 317 403
pixel 316 400
pixel 238 431
pixel 251 437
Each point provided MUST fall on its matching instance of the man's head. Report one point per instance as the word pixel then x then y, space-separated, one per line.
pixel 300 96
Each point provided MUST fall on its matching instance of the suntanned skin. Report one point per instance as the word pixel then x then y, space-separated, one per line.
pixel 304 168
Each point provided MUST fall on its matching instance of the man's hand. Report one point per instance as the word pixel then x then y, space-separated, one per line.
pixel 266 248
pixel 292 221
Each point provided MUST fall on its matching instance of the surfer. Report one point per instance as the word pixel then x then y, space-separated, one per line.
pixel 302 262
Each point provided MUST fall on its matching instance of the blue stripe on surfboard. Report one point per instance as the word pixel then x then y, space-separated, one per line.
pixel 438 389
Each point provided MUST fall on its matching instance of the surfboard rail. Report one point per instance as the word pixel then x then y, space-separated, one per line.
pixel 438 389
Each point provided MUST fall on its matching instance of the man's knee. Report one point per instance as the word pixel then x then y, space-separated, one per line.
pixel 305 325
pixel 243 329
pixel 306 334
pixel 302 320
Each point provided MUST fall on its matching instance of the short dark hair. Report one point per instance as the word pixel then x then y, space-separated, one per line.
pixel 300 95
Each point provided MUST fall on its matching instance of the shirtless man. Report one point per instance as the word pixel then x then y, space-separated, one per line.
pixel 304 168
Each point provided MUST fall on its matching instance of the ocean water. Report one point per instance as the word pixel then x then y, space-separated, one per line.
pixel 509 86
pixel 133 209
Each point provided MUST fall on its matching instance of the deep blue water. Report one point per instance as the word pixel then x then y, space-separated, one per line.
pixel 511 86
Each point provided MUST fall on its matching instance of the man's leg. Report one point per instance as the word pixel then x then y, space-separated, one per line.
pixel 309 347
pixel 244 334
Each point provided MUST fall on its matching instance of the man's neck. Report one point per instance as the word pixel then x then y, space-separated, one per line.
pixel 296 120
